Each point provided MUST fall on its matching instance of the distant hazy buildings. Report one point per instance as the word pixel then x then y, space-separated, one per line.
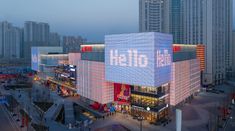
pixel 16 43
pixel 154 15
pixel 11 41
pixel 35 34
pixel 207 22
pixel 233 52
pixel 72 43
pixel 54 39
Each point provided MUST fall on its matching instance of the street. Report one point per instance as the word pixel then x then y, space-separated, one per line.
pixel 6 122
pixel 231 122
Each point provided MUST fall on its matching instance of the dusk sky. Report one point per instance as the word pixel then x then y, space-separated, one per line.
pixel 91 19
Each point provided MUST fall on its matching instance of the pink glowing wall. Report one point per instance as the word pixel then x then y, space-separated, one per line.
pixel 74 58
pixel 92 84
pixel 185 80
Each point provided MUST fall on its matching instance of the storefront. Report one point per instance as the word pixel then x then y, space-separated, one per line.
pixel 150 108
pixel 60 88
pixel 150 102
pixel 150 116
pixel 122 97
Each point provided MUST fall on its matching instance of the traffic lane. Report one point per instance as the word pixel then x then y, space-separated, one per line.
pixel 231 122
pixel 6 123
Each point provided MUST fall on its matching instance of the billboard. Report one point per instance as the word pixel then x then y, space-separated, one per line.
pixel 36 52
pixel 35 59
pixel 122 93
pixel 138 59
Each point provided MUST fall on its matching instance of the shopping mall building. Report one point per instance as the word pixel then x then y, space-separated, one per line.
pixel 142 74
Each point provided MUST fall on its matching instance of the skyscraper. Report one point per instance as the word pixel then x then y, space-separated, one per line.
pixel 176 20
pixel 4 26
pixel 35 34
pixel 54 39
pixel 209 22
pixel 11 40
pixel 72 43
pixel 233 54
pixel 13 46
pixel 154 15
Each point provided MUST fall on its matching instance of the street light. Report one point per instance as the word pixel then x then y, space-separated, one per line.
pixel 148 108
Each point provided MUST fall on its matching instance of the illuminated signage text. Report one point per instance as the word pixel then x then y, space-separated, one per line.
pixel 163 58
pixel 132 58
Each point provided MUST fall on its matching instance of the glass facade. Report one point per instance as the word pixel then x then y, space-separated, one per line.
pixel 66 74
pixel 150 102
pixel 184 52
pixel 152 117
pixel 93 56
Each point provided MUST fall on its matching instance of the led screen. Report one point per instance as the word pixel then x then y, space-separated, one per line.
pixel 35 59
pixel 138 58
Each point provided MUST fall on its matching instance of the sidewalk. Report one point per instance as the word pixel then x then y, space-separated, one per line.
pixel 194 118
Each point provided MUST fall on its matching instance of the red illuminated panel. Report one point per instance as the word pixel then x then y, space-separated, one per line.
pixel 176 48
pixel 121 93
pixel 86 49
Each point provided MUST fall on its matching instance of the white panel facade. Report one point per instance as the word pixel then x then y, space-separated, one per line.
pixel 185 80
pixel 92 84
pixel 74 58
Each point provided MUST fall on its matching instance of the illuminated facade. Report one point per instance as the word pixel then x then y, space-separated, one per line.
pixel 139 73
pixel 91 74
pixel 142 62
pixel 185 80
pixel 38 51
pixel 92 83
pixel 188 62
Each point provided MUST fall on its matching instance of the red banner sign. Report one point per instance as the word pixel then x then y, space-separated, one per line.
pixel 86 49
pixel 176 48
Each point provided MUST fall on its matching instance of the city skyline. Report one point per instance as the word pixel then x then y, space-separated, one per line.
pixel 80 24
pixel 126 65
pixel 75 18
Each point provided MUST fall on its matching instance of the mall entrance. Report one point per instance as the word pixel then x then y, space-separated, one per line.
pixel 123 108
pixel 150 116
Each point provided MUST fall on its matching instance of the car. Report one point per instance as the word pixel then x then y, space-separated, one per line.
pixel 221 91
pixel 215 91
pixel 208 89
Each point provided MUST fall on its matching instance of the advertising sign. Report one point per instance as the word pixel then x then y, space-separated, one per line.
pixel 35 59
pixel 138 59
pixel 37 51
pixel 121 92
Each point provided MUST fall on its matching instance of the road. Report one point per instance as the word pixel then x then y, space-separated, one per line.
pixel 6 122
pixel 231 122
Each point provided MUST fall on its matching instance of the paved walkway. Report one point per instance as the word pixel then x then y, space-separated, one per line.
pixel 195 115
